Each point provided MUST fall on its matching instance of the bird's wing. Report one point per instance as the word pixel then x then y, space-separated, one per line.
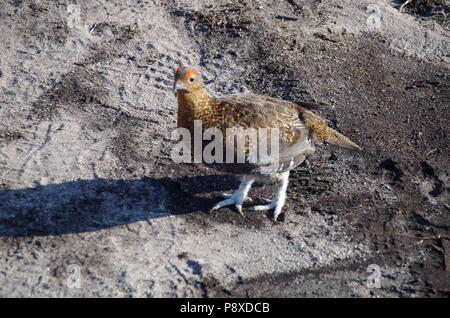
pixel 251 110
pixel 255 111
pixel 318 128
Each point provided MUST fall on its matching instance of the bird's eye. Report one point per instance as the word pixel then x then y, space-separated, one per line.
pixel 191 79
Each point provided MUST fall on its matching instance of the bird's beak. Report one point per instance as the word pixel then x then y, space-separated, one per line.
pixel 178 86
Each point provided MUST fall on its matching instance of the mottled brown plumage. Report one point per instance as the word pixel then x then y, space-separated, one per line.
pixel 299 130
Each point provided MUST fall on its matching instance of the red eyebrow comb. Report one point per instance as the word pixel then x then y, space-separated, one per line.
pixel 188 75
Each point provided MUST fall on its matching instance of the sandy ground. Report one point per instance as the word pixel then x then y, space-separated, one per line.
pixel 92 205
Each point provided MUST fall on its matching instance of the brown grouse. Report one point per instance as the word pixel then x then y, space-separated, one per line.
pixel 299 130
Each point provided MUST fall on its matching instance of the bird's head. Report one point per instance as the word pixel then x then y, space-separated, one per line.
pixel 187 80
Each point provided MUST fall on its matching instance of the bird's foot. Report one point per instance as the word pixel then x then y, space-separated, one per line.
pixel 276 205
pixel 235 199
pixel 280 198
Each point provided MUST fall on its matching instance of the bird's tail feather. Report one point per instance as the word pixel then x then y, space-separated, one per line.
pixel 336 138
pixel 324 133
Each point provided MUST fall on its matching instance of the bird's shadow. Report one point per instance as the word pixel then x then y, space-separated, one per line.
pixel 90 205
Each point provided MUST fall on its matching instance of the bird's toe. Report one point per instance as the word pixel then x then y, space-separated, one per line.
pixel 239 209
pixel 232 200
pixel 221 204
pixel 271 205
pixel 225 195
pixel 277 212
pixel 228 196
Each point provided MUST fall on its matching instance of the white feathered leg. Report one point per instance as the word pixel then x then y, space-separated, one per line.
pixel 280 197
pixel 237 198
